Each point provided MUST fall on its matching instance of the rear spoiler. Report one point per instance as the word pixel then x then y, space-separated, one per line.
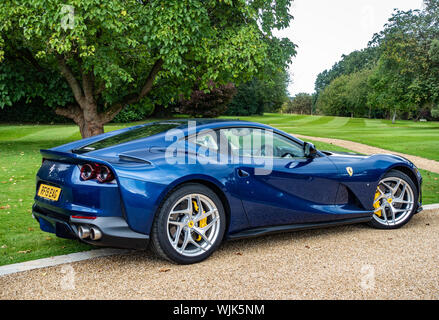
pixel 70 157
pixel 74 158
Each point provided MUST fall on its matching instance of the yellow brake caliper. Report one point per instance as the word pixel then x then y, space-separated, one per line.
pixel 203 222
pixel 376 204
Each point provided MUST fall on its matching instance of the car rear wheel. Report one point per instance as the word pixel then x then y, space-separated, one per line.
pixel 189 226
pixel 395 201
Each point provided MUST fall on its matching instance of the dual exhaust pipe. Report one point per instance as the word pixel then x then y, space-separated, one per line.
pixel 85 232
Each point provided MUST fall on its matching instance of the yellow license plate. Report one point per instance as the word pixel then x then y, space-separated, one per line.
pixel 49 192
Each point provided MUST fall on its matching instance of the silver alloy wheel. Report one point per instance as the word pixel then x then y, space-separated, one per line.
pixel 395 200
pixel 193 225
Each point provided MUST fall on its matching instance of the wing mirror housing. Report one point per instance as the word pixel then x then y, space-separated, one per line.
pixel 309 150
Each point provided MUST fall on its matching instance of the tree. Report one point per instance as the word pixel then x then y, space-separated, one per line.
pixel 333 99
pixel 357 91
pixel 407 76
pixel 266 92
pixel 434 55
pixel 211 104
pixel 300 104
pixel 21 83
pixel 247 100
pixel 353 62
pixel 347 95
pixel 113 53
pixel 388 90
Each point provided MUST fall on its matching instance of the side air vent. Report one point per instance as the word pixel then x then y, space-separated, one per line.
pixel 342 195
pixel 346 196
pixel 128 158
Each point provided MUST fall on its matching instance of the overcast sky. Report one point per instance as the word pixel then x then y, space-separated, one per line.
pixel 326 29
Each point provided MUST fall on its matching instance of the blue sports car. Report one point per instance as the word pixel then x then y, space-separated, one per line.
pixel 184 186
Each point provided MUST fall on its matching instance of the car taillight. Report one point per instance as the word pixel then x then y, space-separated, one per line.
pixel 105 174
pixel 88 171
pixel 100 172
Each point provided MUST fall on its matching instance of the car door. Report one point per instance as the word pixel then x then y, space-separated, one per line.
pixel 281 186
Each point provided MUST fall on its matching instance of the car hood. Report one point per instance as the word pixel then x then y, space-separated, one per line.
pixel 344 154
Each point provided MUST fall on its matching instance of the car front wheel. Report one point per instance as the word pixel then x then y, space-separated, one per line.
pixel 189 226
pixel 395 201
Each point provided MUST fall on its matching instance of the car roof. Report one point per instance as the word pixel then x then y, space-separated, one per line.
pixel 221 123
pixel 186 125
pixel 213 123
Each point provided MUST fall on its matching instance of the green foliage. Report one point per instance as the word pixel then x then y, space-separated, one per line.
pixel 265 93
pixel 136 112
pixel 406 78
pixel 346 96
pixel 333 99
pixel 247 101
pixel 37 112
pixel 22 83
pixel 114 53
pixel 208 105
pixel 31 112
pixel 300 104
pixel 434 51
pixel 357 91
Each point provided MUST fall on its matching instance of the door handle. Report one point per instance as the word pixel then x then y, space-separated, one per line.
pixel 292 165
pixel 243 174
pixel 296 164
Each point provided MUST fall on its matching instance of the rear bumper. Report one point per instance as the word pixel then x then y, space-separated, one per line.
pixel 115 231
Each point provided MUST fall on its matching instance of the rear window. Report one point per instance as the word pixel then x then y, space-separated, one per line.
pixel 128 136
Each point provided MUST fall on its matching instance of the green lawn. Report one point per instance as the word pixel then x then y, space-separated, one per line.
pixel 21 239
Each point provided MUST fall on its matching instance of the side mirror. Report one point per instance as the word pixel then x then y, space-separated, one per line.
pixel 309 150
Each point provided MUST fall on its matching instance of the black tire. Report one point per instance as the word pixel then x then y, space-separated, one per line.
pixel 159 234
pixel 398 174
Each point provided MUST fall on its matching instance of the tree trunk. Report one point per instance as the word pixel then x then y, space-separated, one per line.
pixel 91 129
pixel 85 112
pixel 394 117
pixel 92 124
pixel 86 118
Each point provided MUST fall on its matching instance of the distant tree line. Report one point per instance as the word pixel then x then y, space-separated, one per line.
pixel 301 103
pixel 397 75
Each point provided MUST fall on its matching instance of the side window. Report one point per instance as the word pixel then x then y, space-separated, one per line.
pixel 249 142
pixel 285 148
pixel 207 140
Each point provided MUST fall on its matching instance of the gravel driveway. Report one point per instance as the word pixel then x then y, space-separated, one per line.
pixel 350 262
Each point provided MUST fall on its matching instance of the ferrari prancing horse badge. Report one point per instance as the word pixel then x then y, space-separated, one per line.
pixel 350 171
